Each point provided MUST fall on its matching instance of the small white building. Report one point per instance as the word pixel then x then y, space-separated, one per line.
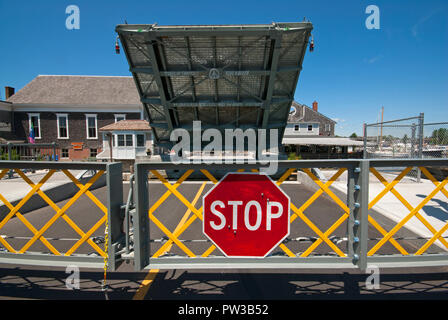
pixel 127 139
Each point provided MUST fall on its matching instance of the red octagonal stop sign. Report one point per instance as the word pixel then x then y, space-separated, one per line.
pixel 246 215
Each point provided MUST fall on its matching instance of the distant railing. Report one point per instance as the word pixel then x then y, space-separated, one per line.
pixel 29 151
pixel 310 155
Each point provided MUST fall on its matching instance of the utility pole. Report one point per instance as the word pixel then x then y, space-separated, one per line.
pixel 381 131
pixel 421 123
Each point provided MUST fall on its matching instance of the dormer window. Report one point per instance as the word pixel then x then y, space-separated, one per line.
pixel 119 117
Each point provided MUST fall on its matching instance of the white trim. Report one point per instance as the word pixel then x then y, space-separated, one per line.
pixel 83 76
pixel 121 115
pixel 58 115
pixel 7 106
pixel 124 134
pixel 91 115
pixel 38 125
pixel 81 108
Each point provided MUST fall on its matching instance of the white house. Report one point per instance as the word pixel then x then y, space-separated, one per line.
pixel 126 140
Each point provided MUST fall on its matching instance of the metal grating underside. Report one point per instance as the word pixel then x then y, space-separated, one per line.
pixel 225 76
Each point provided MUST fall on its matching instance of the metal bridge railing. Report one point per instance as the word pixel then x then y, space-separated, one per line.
pixel 301 249
pixel 354 237
pixel 65 236
pixel 418 253
pixel 160 224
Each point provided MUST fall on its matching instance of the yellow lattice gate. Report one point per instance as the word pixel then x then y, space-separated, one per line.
pixel 342 214
pixel 54 218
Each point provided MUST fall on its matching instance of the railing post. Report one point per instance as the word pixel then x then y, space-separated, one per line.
pixel 10 172
pixel 413 141
pixel 54 151
pixel 141 219
pixel 358 186
pixel 364 151
pixel 115 219
pixel 350 204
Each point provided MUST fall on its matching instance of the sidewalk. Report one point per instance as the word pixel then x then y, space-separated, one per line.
pixel 16 188
pixel 58 187
pixel 435 211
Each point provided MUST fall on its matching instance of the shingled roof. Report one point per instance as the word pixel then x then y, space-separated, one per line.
pixel 127 125
pixel 298 115
pixel 78 90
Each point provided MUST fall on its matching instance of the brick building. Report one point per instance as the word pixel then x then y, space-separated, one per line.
pixel 70 110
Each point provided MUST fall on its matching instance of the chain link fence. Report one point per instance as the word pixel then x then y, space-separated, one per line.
pixel 406 138
pixel 435 140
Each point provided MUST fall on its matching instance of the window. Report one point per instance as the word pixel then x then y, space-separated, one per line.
pixel 296 127
pixel 91 125
pixel 140 140
pixel 93 153
pixel 119 117
pixel 327 127
pixel 129 140
pixel 34 122
pixel 120 140
pixel 62 126
pixel 125 140
pixel 310 127
pixel 64 153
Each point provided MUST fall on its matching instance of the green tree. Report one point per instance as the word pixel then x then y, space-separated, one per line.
pixel 353 135
pixel 439 136
pixel 405 139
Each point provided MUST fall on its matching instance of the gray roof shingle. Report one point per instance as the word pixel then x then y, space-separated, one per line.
pixel 78 90
pixel 298 115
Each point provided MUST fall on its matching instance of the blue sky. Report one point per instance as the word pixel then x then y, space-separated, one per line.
pixel 352 72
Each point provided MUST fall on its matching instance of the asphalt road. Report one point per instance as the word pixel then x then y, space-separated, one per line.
pixel 28 282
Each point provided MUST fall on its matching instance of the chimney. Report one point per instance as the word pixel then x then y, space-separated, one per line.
pixel 315 106
pixel 9 91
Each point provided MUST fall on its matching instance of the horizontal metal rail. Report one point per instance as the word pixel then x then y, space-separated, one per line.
pixel 30 145
pixel 299 164
pixel 247 263
pixel 54 165
pixel 391 121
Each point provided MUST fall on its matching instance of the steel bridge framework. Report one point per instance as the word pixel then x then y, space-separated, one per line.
pixel 226 76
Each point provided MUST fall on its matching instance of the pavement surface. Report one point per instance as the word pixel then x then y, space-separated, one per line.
pixel 435 211
pixel 32 282
pixel 16 188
